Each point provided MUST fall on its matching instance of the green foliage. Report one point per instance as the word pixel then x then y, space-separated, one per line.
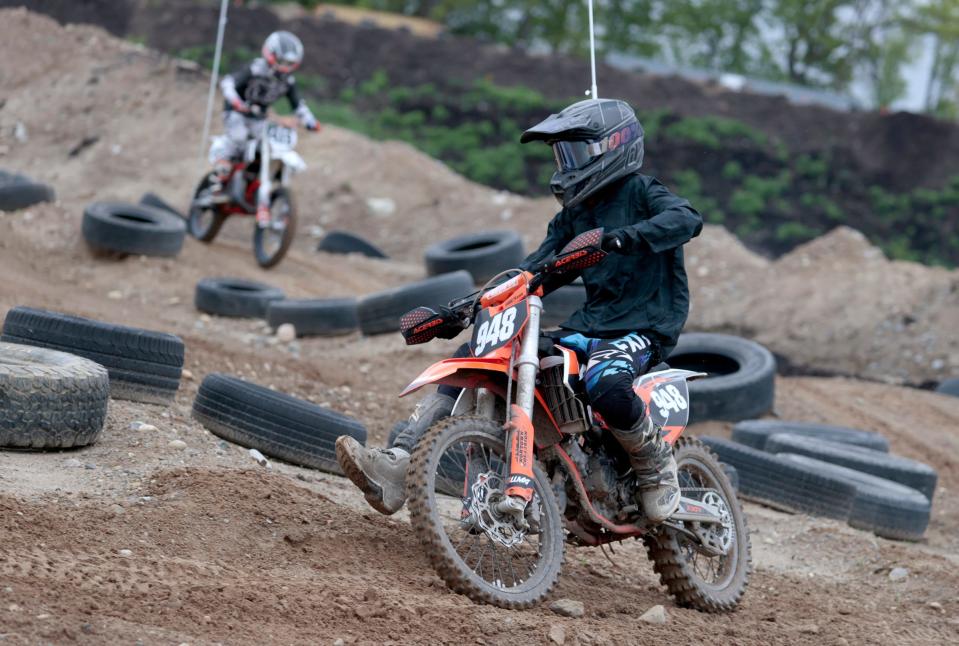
pixel 713 132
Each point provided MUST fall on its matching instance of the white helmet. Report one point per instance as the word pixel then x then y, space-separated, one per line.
pixel 283 51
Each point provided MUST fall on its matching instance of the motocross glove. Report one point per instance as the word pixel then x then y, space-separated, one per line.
pixel 612 241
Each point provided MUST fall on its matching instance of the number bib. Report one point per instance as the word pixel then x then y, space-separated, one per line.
pixel 493 331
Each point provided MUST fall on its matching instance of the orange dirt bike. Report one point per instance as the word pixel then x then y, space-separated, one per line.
pixel 258 185
pixel 496 490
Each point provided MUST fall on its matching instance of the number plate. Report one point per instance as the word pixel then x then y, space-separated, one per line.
pixel 666 395
pixel 281 137
pixel 493 331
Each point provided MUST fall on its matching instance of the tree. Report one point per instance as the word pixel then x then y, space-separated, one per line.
pixel 939 19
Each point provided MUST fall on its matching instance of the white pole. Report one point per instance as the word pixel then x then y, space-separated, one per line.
pixel 214 74
pixel 592 50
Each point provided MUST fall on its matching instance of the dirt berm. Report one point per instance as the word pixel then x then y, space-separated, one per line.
pixel 134 540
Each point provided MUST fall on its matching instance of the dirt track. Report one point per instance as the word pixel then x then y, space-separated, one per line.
pixel 223 551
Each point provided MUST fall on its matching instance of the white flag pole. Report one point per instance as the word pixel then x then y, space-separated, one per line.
pixel 592 50
pixel 214 74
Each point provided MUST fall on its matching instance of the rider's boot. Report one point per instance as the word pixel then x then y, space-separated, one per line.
pixel 379 473
pixel 218 178
pixel 652 460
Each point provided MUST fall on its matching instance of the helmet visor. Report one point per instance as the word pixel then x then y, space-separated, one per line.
pixel 573 155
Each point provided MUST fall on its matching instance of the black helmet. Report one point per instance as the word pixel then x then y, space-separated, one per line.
pixel 596 142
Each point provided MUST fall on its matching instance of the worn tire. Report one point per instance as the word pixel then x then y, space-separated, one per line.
pixel 380 313
pixel 50 399
pixel 132 229
pixel 398 428
pixel 343 242
pixel 429 529
pixel 743 385
pixel 910 473
pixel 949 387
pixel 483 255
pixel 155 201
pixel 784 485
pixel 274 423
pixel 560 304
pixel 886 508
pixel 19 192
pixel 235 297
pixel 144 366
pixel 732 474
pixel 318 317
pixel 670 557
pixel 756 432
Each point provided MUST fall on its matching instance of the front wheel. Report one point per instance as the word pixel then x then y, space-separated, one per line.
pixel 271 242
pixel 457 476
pixel 205 219
pixel 696 578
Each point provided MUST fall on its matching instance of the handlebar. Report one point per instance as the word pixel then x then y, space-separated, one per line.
pixel 423 324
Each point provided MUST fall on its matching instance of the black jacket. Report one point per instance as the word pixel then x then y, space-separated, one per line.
pixel 643 288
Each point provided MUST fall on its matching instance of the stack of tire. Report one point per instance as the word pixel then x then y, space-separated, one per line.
pixel 57 372
pixel 835 472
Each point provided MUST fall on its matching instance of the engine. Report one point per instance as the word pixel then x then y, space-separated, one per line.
pixel 610 484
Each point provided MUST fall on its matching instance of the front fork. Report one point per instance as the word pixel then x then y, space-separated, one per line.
pixel 265 188
pixel 520 438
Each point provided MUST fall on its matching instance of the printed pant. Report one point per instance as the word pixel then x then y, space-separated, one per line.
pixel 611 367
pixel 236 131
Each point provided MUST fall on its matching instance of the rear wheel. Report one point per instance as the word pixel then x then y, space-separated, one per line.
pixel 488 556
pixel 695 578
pixel 204 222
pixel 270 243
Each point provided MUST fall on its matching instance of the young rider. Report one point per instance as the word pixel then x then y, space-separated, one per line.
pixel 637 299
pixel 249 92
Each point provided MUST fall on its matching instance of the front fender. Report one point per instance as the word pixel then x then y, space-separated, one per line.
pixel 441 371
pixel 490 373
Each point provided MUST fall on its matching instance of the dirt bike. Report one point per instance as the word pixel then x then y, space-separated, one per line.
pixel 496 490
pixel 258 185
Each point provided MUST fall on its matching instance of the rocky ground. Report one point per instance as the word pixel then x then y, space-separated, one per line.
pixel 166 535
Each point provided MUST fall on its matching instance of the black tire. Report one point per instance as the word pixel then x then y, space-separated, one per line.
pixel 132 229
pixel 426 516
pixel 398 428
pixel 343 242
pixel 319 317
pixel 235 297
pixel 144 366
pixel 155 201
pixel 276 424
pixel 267 258
pixel 675 560
pixel 483 255
pixel 199 227
pixel 755 433
pixel 559 305
pixel 949 387
pixel 19 192
pixel 380 313
pixel 784 485
pixel 50 399
pixel 910 473
pixel 742 377
pixel 732 474
pixel 886 508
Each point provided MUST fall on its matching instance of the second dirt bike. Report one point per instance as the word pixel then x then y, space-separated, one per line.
pixel 523 466
pixel 258 185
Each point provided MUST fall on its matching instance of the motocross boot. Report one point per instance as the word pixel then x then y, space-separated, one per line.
pixel 379 473
pixel 655 467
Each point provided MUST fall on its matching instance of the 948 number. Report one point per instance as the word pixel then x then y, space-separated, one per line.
pixel 495 332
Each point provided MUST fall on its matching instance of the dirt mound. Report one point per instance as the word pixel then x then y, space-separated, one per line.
pixel 837 304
